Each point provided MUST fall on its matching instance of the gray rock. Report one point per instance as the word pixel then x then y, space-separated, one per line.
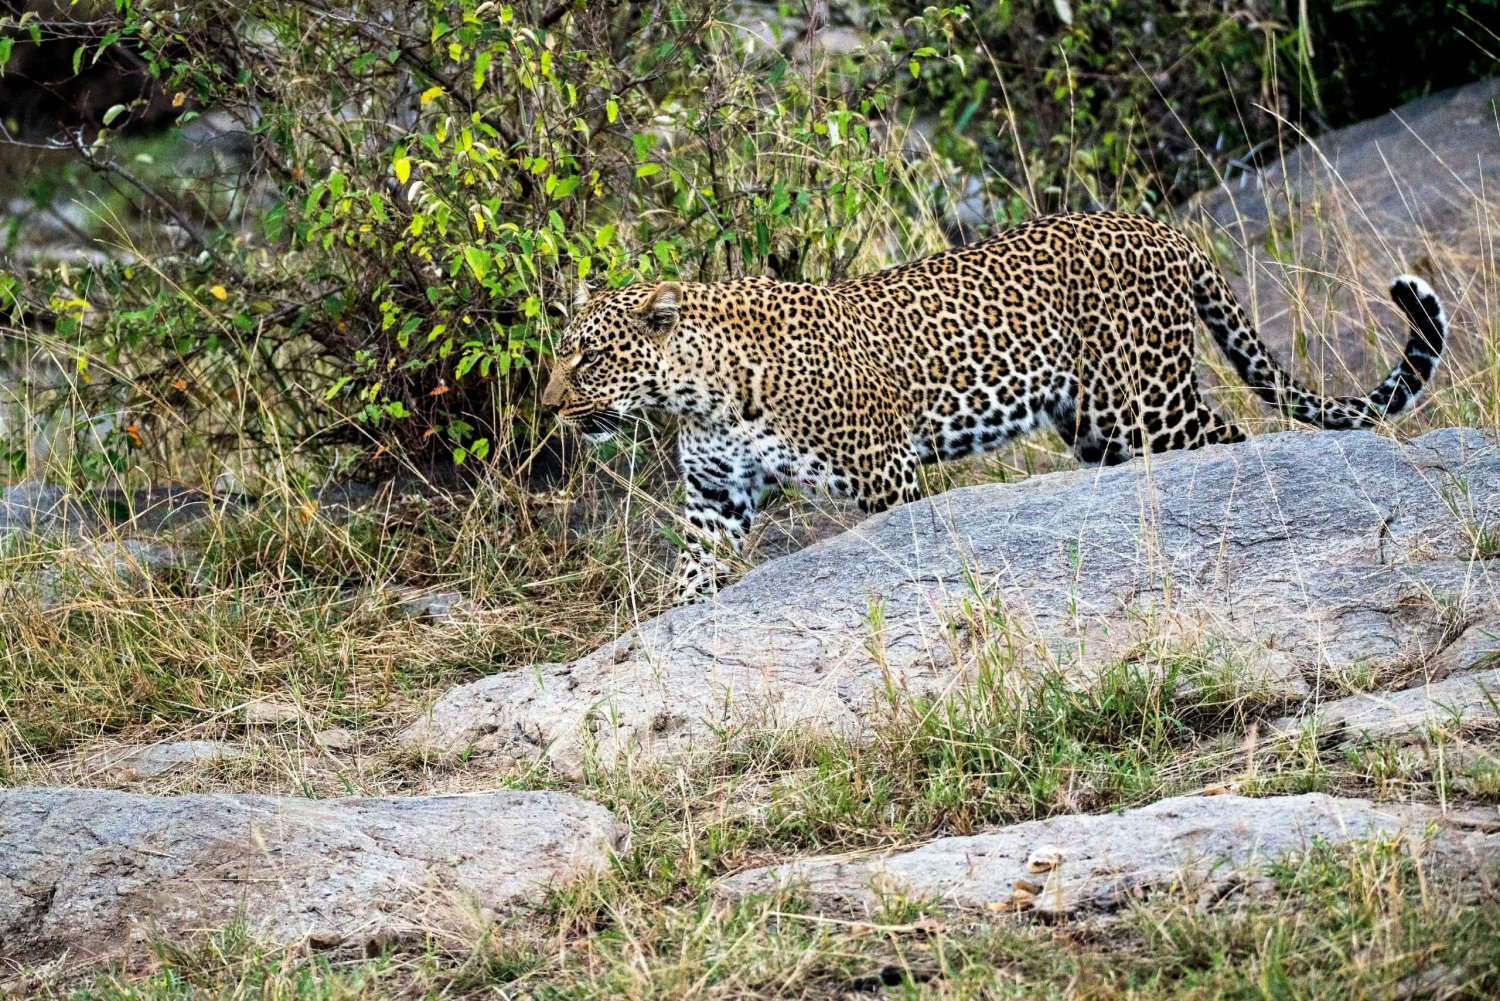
pixel 431 606
pixel 1205 845
pixel 163 508
pixel 1401 193
pixel 335 738
pixel 96 871
pixel 150 760
pixel 38 508
pixel 1289 556
pixel 129 560
pixel 98 564
pixel 271 713
pixel 1462 700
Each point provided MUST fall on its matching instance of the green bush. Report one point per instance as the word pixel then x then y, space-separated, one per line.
pixel 430 181
pixel 422 184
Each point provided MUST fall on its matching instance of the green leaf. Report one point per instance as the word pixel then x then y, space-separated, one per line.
pixel 611 107
pixel 478 260
pixel 604 236
pixel 115 111
pixel 338 386
pixel 403 336
pixel 647 169
pixel 5 46
pixel 273 221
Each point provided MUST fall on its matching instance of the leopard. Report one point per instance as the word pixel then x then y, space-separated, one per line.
pixel 1084 323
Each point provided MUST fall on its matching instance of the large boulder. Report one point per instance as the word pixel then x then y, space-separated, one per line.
pixel 94 872
pixel 1295 557
pixel 1312 240
pixel 1062 866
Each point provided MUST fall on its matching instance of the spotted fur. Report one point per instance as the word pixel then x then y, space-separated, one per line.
pixel 1083 323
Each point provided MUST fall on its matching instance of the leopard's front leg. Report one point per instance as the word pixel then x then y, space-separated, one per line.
pixel 723 477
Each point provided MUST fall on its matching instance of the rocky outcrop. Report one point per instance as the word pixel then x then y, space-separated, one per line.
pixel 1064 866
pixel 1312 239
pixel 95 872
pixel 1290 557
pixel 1451 705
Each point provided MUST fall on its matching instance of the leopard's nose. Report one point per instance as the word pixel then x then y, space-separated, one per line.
pixel 552 396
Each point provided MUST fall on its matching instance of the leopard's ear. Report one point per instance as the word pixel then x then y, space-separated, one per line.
pixel 581 297
pixel 659 311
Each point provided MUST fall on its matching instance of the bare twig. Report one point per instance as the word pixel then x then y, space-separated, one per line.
pixel 106 166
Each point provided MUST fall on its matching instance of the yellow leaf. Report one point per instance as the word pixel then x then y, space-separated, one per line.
pixel 403 168
pixel 219 293
pixel 178 99
pixel 431 94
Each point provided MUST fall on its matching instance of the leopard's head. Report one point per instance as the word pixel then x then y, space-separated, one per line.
pixel 607 361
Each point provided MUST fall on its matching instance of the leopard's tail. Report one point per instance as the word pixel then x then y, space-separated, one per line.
pixel 1252 360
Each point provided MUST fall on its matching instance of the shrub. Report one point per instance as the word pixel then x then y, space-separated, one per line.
pixel 429 181
pixel 369 247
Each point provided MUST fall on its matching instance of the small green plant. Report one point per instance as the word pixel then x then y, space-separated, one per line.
pixel 995 751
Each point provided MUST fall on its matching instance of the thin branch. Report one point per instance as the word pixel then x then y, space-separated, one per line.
pixel 162 202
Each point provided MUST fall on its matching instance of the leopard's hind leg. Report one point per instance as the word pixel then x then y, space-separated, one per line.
pixel 1193 424
pixel 888 478
pixel 1091 427
pixel 1216 429
pixel 1085 428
